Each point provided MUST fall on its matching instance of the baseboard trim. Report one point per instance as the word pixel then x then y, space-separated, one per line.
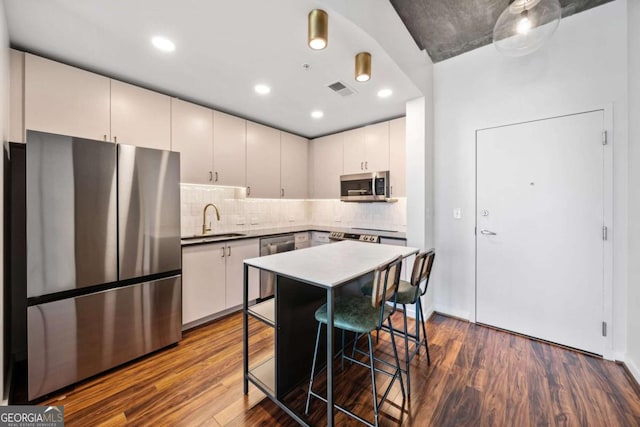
pixel 632 372
pixel 453 316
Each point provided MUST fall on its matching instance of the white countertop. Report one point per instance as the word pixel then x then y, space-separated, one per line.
pixel 331 265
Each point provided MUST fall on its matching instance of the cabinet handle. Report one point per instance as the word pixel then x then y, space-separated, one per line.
pixel 366 166
pixel 216 180
pixel 222 256
pixel 361 167
pixel 248 190
pixel 210 176
pixel 228 250
pixel 115 139
pixel 282 192
pixel 391 190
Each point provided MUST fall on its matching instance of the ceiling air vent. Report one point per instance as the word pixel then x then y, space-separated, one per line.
pixel 341 89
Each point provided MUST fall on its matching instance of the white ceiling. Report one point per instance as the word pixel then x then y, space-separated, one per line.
pixel 223 48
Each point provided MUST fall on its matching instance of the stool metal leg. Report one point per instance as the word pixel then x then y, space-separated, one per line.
pixel 395 354
pixel 407 359
pixel 424 330
pixel 313 369
pixel 373 380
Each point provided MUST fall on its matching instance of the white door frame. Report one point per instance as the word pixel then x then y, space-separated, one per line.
pixel 607 298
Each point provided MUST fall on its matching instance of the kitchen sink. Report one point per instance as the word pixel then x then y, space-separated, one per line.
pixel 214 236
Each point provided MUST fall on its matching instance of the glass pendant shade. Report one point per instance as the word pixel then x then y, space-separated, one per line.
pixel 525 25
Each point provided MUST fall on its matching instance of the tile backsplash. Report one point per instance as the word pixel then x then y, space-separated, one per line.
pixel 239 213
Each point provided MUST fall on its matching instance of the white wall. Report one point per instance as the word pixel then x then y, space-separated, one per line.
pixel 419 161
pixel 4 133
pixel 583 66
pixel 633 325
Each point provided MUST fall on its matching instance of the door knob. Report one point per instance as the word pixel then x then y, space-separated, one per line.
pixel 487 232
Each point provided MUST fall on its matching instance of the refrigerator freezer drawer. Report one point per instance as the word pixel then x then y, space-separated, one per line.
pixel 73 339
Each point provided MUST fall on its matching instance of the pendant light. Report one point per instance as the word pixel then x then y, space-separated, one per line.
pixel 525 25
pixel 318 34
pixel 363 66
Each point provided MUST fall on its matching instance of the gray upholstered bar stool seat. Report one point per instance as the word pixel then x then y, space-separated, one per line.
pixel 410 293
pixel 362 315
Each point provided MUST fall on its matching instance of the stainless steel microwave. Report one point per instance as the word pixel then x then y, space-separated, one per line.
pixel 365 187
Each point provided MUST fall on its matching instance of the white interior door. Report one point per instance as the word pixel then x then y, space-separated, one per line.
pixel 540 190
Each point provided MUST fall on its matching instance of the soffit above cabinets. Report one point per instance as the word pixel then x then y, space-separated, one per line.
pixel 447 28
pixel 223 49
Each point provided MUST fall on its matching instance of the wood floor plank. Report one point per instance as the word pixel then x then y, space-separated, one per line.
pixel 478 376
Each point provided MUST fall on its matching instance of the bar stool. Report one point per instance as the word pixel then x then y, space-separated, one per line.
pixel 362 315
pixel 410 293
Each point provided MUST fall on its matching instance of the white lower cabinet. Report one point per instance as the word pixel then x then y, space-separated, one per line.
pixel 237 252
pixel 212 278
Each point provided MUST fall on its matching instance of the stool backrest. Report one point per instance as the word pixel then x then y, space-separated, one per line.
pixel 386 278
pixel 422 270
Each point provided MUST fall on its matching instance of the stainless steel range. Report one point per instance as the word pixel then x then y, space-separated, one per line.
pixel 339 235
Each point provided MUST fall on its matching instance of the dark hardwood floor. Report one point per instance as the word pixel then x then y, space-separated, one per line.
pixel 478 377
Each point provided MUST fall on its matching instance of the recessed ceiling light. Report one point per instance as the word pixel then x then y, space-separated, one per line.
pixel 163 44
pixel 385 93
pixel 262 89
pixel 317 114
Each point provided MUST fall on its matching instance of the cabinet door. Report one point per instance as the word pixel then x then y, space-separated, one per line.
pixel 65 100
pixel 237 252
pixel 354 151
pixel 326 166
pixel 203 281
pixel 140 117
pixel 263 161
pixel 294 162
pixel 397 157
pixel 376 140
pixel 192 136
pixel 229 149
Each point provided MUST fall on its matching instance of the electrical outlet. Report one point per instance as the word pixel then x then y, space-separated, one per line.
pixel 240 220
pixel 254 220
pixel 337 218
pixel 292 219
pixel 457 213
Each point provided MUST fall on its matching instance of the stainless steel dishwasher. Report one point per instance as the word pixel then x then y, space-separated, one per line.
pixel 270 246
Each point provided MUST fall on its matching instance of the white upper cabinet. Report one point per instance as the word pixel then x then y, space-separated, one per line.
pixel 229 149
pixel 366 149
pixel 263 161
pixel 376 140
pixel 326 166
pixel 65 100
pixel 398 157
pixel 16 96
pixel 294 166
pixel 192 136
pixel 354 151
pixel 140 117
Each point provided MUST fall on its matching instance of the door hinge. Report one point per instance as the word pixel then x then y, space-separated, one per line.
pixel 604 329
pixel 605 232
pixel 604 138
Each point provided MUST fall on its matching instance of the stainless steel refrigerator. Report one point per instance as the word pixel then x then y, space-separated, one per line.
pixel 103 257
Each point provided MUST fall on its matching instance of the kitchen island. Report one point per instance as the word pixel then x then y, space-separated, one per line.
pixel 305 279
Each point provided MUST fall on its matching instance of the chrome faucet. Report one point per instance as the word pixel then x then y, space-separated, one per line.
pixel 204 217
